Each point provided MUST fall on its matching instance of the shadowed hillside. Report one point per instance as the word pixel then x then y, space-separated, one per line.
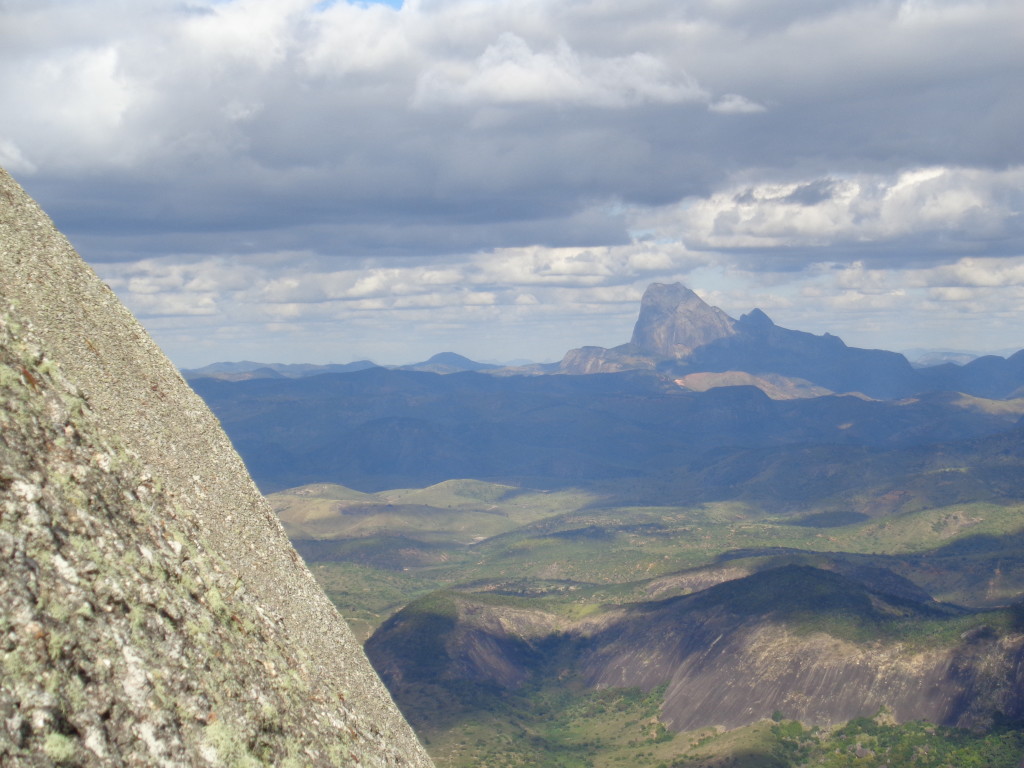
pixel 377 428
pixel 817 646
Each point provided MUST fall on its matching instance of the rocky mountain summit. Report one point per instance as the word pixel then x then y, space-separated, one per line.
pixel 674 321
pixel 152 611
pixel 678 334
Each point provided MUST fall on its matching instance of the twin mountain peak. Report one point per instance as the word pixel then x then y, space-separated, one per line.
pixel 679 334
pixel 682 339
pixel 674 322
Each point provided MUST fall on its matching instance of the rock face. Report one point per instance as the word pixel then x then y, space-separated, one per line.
pixel 674 321
pixel 730 654
pixel 152 610
pixel 737 652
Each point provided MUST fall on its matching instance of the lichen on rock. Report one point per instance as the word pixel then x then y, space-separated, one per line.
pixel 118 643
pixel 151 609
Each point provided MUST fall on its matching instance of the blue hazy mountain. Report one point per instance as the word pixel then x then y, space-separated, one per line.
pixel 765 394
pixel 678 334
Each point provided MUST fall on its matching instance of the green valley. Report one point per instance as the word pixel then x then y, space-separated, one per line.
pixel 722 544
pixel 497 613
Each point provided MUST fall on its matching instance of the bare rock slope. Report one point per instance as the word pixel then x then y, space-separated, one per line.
pixel 152 610
pixel 818 646
pixel 674 321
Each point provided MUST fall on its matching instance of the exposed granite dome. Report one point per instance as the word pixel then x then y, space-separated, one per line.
pixel 674 321
pixel 152 610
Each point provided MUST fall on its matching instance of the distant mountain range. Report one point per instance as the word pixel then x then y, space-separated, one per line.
pixel 246 369
pixel 694 394
pixel 678 335
pixel 443 362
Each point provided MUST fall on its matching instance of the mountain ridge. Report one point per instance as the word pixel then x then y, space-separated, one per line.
pixel 730 655
pixel 678 335
pixel 378 428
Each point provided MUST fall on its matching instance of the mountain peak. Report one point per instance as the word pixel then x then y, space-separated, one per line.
pixel 674 321
pixel 451 358
pixel 449 362
pixel 756 319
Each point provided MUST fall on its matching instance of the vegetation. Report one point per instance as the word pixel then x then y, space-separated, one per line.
pixel 570 552
pixel 566 726
pixel 555 726
pixel 572 555
pixel 874 743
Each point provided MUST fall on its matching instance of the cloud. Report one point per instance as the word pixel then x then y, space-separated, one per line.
pixel 979 273
pixel 954 207
pixel 537 304
pixel 358 40
pixel 489 164
pixel 510 72
pixel 523 288
pixel 578 267
pixel 13 160
pixel 734 104
pixel 87 98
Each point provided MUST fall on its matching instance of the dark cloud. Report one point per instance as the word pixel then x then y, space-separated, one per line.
pixel 812 193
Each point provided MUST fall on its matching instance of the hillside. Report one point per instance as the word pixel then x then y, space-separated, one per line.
pixel 815 645
pixel 377 429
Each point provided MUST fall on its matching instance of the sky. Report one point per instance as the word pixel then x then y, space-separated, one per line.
pixel 300 181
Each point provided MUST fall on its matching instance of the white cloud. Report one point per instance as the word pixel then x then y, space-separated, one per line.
pixel 351 38
pixel 976 273
pixel 12 158
pixel 734 104
pixel 296 279
pixel 87 97
pixel 509 71
pixel 254 34
pixel 578 267
pixel 965 203
pixel 507 287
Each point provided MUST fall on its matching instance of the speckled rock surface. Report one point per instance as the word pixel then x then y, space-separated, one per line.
pixel 152 611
